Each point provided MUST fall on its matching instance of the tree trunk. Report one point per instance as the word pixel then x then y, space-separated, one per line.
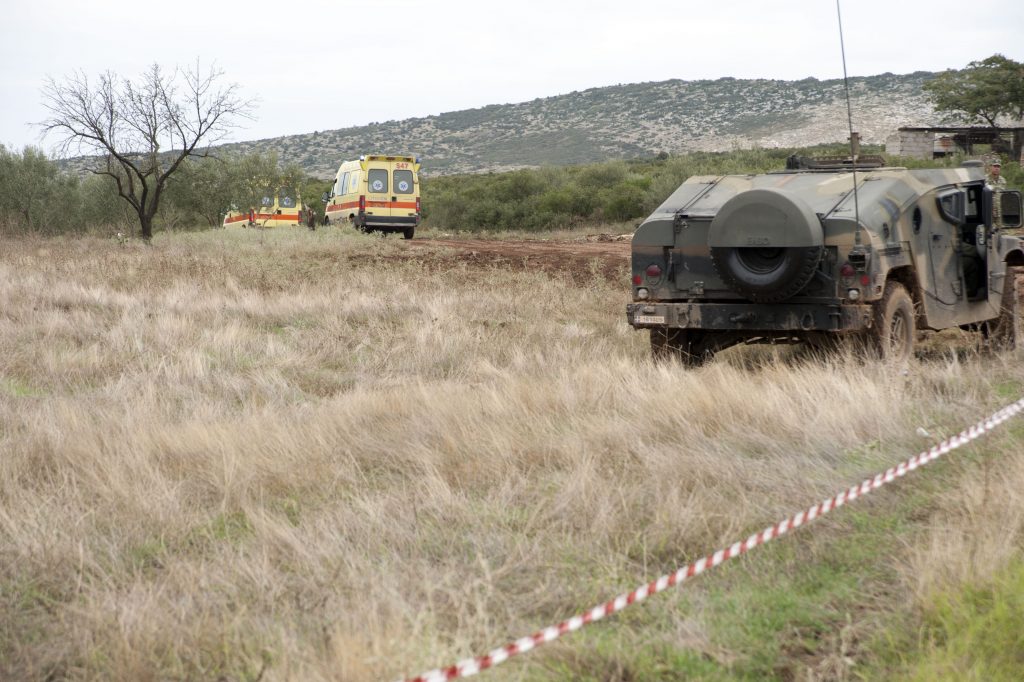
pixel 146 226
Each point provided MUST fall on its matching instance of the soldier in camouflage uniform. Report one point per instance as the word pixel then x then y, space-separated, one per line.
pixel 995 178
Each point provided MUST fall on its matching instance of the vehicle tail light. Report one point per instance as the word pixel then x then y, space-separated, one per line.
pixel 362 203
pixel 653 271
pixel 637 279
pixel 847 270
pixel 865 280
pixel 417 204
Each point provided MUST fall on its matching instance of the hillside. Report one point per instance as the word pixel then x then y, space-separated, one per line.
pixel 624 121
pixel 619 122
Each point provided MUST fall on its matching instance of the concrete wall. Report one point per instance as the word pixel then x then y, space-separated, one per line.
pixel 916 145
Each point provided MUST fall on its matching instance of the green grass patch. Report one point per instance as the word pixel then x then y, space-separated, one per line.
pixel 148 555
pixel 229 527
pixel 291 508
pixel 17 388
pixel 971 632
pixel 611 654
pixel 772 616
pixel 1009 390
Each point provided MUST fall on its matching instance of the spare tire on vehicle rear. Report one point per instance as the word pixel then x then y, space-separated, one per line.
pixel 766 244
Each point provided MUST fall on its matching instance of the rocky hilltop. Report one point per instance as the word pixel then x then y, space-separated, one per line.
pixel 624 121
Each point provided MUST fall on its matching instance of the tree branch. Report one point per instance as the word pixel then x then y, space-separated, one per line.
pixel 125 124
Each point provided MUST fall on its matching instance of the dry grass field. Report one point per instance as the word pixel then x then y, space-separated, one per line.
pixel 326 456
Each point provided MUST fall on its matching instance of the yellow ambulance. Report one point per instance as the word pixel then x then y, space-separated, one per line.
pixel 277 209
pixel 376 192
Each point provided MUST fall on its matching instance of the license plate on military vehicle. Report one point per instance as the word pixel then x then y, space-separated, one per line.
pixel 649 319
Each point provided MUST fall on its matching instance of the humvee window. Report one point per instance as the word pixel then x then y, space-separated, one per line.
pixel 1009 202
pixel 973 211
pixel 951 205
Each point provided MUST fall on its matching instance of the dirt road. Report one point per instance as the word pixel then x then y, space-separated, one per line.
pixel 605 255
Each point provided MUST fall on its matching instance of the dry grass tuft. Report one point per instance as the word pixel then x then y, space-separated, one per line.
pixel 300 456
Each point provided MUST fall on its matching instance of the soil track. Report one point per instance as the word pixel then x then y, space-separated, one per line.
pixel 604 255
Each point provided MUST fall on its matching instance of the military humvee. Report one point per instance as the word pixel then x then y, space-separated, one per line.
pixel 798 256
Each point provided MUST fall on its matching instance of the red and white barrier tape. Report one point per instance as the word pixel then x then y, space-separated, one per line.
pixel 472 666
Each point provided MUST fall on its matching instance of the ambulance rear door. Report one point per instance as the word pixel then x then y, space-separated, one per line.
pixel 378 189
pixel 403 189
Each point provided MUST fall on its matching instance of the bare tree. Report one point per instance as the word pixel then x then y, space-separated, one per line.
pixel 141 132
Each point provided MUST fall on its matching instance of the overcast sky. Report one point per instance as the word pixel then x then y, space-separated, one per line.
pixel 320 65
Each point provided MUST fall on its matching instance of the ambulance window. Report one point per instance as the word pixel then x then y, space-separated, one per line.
pixel 342 183
pixel 403 182
pixel 353 181
pixel 378 179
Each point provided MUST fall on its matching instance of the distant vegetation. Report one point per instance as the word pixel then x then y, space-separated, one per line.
pixel 36 197
pixel 575 196
pixel 592 195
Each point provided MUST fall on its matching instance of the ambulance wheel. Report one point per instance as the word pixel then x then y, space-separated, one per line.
pixel 408 232
pixel 327 221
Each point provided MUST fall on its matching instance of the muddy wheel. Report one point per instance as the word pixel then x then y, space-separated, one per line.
pixel 1007 333
pixel 680 345
pixel 893 329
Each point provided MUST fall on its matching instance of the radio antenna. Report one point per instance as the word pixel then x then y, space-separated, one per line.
pixel 854 141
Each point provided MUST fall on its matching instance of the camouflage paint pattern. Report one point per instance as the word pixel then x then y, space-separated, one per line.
pixel 902 231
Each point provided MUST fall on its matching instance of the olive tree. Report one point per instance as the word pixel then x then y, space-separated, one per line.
pixel 255 178
pixel 28 182
pixel 203 188
pixel 140 132
pixel 982 92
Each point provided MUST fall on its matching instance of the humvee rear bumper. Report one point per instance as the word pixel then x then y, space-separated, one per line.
pixel 754 317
